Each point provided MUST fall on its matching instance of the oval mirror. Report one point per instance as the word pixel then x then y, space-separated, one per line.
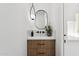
pixel 41 19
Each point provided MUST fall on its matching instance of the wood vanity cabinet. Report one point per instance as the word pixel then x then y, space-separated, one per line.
pixel 40 47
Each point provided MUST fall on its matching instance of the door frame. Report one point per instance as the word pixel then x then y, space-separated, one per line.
pixel 60 31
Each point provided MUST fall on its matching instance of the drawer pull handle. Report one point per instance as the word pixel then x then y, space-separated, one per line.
pixel 41 44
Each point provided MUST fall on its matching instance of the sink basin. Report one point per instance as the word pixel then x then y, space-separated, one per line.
pixel 39 36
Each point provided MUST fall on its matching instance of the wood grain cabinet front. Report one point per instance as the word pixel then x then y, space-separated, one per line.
pixel 41 47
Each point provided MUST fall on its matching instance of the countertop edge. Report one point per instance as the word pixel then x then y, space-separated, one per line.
pixel 41 38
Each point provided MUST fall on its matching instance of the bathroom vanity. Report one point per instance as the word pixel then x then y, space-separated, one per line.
pixel 41 46
pixel 40 42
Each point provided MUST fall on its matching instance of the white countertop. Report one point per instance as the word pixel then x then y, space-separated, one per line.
pixel 40 38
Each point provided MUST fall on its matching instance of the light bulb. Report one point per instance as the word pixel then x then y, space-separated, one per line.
pixel 32 12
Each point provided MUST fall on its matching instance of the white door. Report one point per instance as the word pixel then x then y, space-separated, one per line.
pixel 71 29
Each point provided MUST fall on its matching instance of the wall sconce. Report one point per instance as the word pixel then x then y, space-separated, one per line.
pixel 32 12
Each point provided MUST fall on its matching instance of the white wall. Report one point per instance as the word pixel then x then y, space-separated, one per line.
pixel 12 29
pixel 14 23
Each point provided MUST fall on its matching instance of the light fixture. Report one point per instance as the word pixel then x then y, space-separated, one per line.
pixel 32 12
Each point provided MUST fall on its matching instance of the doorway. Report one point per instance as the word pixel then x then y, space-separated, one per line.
pixel 71 29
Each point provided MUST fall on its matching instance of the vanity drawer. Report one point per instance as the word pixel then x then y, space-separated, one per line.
pixel 41 43
pixel 41 52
